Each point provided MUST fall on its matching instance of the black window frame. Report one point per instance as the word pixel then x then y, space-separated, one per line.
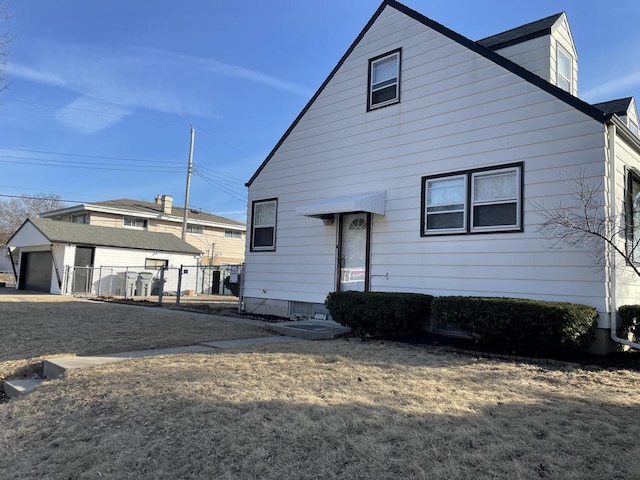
pixel 468 228
pixel 264 248
pixel 370 90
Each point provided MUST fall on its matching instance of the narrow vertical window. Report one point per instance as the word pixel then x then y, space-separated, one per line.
pixel 633 217
pixel 564 69
pixel 384 80
pixel 263 225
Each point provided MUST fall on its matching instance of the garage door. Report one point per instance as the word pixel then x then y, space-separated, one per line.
pixel 35 272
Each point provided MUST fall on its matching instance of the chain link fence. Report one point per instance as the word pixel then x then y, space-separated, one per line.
pixel 164 283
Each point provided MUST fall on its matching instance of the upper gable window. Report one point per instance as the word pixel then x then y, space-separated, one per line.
pixel 384 80
pixel 633 127
pixel 564 69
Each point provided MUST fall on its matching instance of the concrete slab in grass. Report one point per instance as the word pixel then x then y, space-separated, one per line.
pixel 16 388
pixel 245 342
pixel 310 329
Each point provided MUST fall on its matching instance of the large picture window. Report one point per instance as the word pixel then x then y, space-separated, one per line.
pixel 384 80
pixel 263 225
pixel 473 201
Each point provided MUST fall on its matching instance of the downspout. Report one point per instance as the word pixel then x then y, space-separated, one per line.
pixel 612 253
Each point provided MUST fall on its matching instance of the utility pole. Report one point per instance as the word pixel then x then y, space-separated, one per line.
pixel 185 216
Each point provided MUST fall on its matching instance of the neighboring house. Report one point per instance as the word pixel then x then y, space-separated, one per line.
pixel 221 240
pixel 63 257
pixel 5 258
pixel 418 164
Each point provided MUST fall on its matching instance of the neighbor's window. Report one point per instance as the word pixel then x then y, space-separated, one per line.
pixel 135 222
pixel 633 127
pixel 473 201
pixel 232 234
pixel 197 229
pixel 263 225
pixel 83 218
pixel 384 80
pixel 564 69
pixel 155 264
pixel 633 216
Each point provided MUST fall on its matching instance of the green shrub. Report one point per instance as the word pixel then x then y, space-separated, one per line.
pixel 520 324
pixel 629 319
pixel 379 314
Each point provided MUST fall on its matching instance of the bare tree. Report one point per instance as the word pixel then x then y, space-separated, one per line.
pixel 14 211
pixel 585 222
pixel 5 39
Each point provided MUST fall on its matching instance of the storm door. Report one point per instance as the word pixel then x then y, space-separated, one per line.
pixel 83 270
pixel 353 252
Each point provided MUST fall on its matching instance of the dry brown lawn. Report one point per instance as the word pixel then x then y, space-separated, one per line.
pixel 326 410
pixel 34 326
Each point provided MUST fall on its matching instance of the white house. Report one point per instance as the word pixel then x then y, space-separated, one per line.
pixel 221 239
pixel 64 257
pixel 418 164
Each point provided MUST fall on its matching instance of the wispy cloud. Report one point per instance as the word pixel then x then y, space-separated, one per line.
pixel 617 87
pixel 88 115
pixel 119 82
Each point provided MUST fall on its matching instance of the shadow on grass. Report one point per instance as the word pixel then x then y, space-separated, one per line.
pixel 173 434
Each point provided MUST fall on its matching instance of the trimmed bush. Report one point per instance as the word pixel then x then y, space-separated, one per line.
pixel 520 324
pixel 379 314
pixel 629 319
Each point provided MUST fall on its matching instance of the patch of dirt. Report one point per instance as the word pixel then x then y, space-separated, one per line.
pixel 629 360
pixel 191 306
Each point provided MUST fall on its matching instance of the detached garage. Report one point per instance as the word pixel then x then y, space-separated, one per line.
pixel 35 271
pixel 47 248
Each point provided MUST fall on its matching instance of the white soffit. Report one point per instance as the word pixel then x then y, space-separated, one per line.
pixel 363 202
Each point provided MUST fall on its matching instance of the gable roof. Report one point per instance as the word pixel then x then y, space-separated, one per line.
pixel 127 205
pixel 476 47
pixel 520 34
pixel 92 235
pixel 618 107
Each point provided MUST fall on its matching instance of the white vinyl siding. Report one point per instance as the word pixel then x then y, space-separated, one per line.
pixel 459 111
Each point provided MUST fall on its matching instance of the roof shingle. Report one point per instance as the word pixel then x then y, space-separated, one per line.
pixel 81 234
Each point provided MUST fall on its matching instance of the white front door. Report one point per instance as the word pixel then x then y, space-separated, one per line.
pixel 352 255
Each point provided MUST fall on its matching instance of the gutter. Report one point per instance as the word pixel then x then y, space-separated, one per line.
pixel 611 132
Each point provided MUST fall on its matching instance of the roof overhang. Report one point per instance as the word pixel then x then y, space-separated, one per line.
pixel 363 202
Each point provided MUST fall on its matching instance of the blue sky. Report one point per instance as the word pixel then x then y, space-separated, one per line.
pixel 102 94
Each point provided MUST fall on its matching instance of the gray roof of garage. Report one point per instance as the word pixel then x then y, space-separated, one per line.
pixel 92 235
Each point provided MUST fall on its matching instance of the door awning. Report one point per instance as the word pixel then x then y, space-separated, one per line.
pixel 363 202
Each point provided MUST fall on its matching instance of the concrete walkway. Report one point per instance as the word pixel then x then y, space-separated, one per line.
pixel 286 332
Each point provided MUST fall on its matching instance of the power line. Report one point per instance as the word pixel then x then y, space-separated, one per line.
pixel 93 167
pixel 220 186
pixel 88 156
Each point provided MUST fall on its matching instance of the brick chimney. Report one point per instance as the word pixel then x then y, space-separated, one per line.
pixel 167 202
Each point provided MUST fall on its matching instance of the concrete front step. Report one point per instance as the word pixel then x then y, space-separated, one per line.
pixel 310 329
pixel 16 388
